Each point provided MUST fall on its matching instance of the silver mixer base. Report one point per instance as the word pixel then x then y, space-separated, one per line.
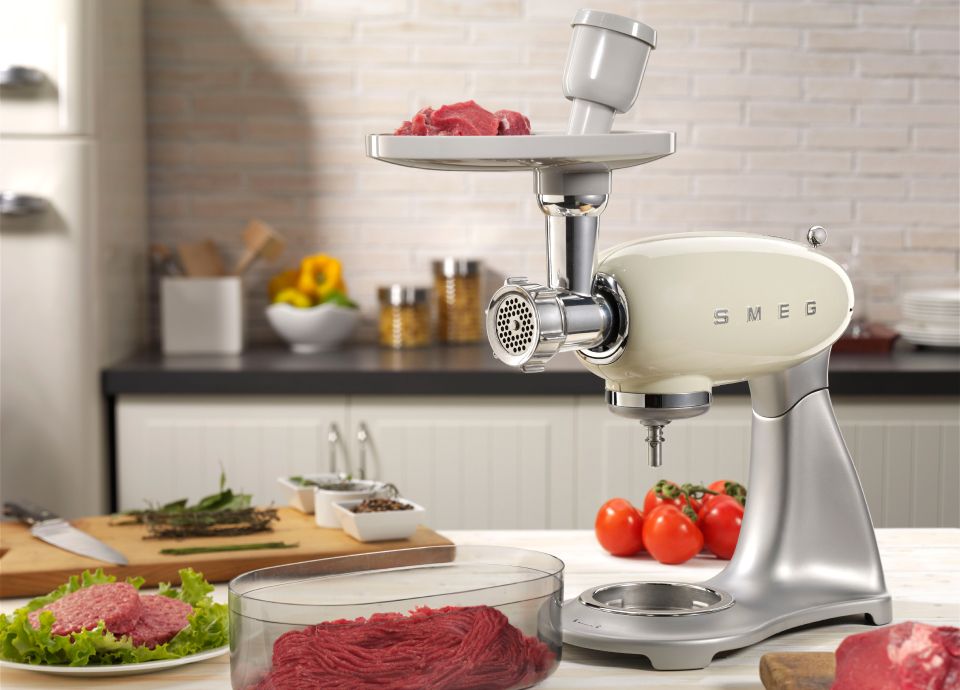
pixel 682 642
pixel 807 551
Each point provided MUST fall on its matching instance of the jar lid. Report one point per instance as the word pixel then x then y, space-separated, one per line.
pixel 402 295
pixel 452 267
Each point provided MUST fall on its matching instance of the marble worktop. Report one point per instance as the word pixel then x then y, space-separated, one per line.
pixel 922 569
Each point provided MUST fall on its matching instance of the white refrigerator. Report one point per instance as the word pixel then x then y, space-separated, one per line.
pixel 73 268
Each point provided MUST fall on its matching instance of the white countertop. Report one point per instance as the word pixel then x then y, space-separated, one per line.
pixel 922 569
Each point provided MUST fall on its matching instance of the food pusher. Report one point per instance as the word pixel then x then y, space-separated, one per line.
pixel 663 320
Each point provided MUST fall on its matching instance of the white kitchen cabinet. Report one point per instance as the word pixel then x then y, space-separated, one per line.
pixel 905 450
pixel 513 462
pixel 475 463
pixel 612 452
pixel 174 447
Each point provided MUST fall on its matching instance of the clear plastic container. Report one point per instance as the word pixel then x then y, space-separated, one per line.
pixel 526 587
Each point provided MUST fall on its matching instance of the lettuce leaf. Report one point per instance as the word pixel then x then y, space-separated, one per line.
pixel 21 642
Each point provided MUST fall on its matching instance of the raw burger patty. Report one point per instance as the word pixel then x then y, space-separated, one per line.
pixel 117 604
pixel 162 618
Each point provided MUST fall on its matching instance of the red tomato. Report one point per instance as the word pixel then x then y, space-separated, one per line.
pixel 729 488
pixel 619 527
pixel 651 500
pixel 719 486
pixel 670 536
pixel 720 523
pixel 709 500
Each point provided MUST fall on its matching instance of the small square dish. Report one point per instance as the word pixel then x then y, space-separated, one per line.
pixel 380 526
pixel 301 495
pixel 308 495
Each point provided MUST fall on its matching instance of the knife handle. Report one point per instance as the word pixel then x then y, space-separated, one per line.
pixel 28 512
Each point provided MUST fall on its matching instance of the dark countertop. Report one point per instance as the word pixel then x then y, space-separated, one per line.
pixel 471 370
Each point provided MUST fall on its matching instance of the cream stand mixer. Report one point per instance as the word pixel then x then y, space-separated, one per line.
pixel 663 320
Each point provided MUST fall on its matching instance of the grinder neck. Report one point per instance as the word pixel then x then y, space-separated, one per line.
pixel 573 226
pixel 572 203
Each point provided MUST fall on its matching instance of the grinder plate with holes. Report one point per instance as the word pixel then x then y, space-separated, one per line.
pixel 515 324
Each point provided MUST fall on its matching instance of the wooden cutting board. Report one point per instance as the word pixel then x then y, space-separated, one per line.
pixel 29 567
pixel 797 670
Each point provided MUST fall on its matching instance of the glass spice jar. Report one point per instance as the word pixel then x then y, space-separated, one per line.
pixel 456 290
pixel 404 316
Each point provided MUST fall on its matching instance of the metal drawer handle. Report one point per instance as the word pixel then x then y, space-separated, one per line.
pixel 363 438
pixel 333 440
pixel 18 205
pixel 20 77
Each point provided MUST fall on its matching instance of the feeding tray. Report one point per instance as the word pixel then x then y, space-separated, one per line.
pixel 572 152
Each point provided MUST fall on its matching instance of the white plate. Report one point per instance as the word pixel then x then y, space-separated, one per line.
pixel 943 295
pixel 119 669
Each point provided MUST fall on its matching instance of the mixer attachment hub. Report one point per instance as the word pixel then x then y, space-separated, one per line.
pixel 656 410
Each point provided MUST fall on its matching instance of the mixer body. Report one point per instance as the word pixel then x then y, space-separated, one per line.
pixel 711 308
pixel 663 320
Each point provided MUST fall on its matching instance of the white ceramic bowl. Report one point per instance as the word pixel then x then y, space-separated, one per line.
pixel 390 524
pixel 324 500
pixel 321 328
pixel 301 497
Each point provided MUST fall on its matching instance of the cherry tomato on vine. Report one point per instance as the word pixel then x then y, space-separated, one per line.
pixel 709 500
pixel 729 488
pixel 670 536
pixel 672 495
pixel 619 527
pixel 720 522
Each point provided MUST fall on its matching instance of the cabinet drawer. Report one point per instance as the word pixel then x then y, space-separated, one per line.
pixel 175 447
pixel 54 38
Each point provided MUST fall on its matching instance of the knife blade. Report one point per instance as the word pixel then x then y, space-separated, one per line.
pixel 51 528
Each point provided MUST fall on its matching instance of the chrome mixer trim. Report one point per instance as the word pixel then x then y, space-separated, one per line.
pixel 613 347
pixel 650 405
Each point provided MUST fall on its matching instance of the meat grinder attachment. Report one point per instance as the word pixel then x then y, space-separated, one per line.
pixel 529 323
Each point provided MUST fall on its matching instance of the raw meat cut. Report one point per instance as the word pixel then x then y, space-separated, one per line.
pixel 161 619
pixel 512 123
pixel 420 125
pixel 466 119
pixel 117 604
pixel 907 656
pixel 462 648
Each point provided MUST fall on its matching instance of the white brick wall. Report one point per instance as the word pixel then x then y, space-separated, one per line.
pixel 787 114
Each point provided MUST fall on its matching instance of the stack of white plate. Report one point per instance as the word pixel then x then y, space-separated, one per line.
pixel 931 317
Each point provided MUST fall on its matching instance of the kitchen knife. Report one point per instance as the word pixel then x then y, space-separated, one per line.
pixel 54 530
